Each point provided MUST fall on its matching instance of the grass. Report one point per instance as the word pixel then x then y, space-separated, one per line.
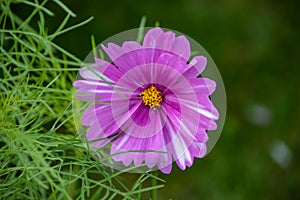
pixel 41 156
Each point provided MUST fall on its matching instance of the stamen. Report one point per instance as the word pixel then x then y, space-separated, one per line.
pixel 152 97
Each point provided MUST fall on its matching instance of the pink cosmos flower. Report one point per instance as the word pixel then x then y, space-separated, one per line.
pixel 154 109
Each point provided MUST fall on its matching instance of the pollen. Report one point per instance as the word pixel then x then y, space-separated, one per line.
pixel 151 97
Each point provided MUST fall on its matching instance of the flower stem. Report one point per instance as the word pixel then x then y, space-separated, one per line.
pixel 154 181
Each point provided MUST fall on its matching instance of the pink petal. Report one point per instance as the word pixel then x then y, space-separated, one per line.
pixel 172 109
pixel 203 107
pixel 101 71
pixel 165 162
pixel 173 61
pixel 89 117
pixel 101 116
pixel 206 104
pixel 193 86
pixel 125 146
pixel 175 145
pixel 136 58
pixel 203 86
pixel 114 51
pixel 141 115
pixel 97 91
pixel 201 136
pixel 90 84
pixel 166 169
pixel 157 39
pixel 97 137
pixel 195 67
pixel 198 149
pixel 207 123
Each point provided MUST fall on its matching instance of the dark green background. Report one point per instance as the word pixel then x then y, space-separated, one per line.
pixel 255 45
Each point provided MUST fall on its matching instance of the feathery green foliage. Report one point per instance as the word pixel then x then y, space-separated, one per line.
pixel 41 156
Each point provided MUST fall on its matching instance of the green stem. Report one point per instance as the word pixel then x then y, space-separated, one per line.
pixel 154 182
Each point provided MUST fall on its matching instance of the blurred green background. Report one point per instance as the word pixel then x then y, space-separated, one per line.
pixel 255 45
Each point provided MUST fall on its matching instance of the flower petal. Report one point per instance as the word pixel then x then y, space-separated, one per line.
pixel 101 71
pixel 198 149
pixel 89 117
pixel 141 115
pixel 173 61
pixel 203 107
pixel 123 149
pixel 157 39
pixel 201 136
pixel 165 162
pixel 203 86
pixel 114 51
pixel 195 67
pixel 97 91
pixel 97 137
pixel 136 58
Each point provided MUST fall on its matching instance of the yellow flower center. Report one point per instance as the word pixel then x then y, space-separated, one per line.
pixel 152 97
